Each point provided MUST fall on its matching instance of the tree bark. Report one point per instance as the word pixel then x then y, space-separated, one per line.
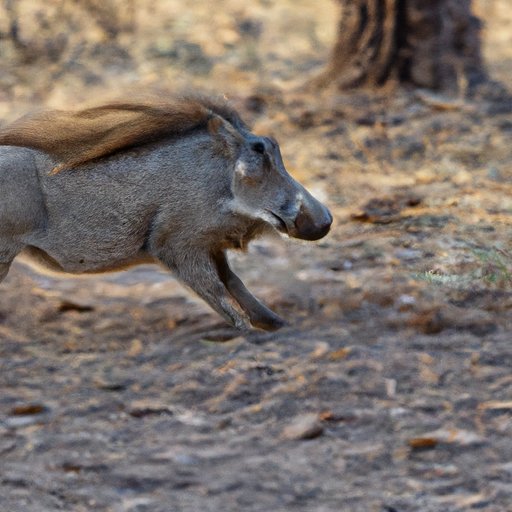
pixel 427 43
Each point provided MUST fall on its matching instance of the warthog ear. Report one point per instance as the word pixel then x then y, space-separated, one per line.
pixel 226 138
pixel 214 125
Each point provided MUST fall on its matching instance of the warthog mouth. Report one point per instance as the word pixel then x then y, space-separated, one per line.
pixel 281 224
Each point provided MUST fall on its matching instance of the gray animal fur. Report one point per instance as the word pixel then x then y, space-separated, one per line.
pixel 178 201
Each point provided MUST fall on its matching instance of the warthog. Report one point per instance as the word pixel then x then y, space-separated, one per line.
pixel 176 182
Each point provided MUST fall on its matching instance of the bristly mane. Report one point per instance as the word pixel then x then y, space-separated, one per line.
pixel 77 137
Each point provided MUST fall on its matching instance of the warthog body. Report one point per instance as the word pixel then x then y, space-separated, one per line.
pixel 177 183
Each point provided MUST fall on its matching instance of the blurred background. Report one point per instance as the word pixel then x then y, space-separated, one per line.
pixel 390 390
pixel 62 52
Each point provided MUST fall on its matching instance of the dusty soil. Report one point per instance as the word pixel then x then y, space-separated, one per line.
pixel 391 389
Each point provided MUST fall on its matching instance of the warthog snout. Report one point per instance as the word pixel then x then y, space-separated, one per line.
pixel 312 223
pixel 307 219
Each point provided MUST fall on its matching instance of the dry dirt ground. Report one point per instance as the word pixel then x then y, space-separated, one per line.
pixel 391 390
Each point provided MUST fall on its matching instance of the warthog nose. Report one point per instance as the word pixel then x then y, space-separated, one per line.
pixel 313 227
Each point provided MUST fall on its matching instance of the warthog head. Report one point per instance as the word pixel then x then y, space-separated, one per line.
pixel 264 190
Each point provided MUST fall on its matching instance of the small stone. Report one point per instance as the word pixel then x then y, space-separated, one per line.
pixel 320 350
pixel 347 265
pixel 406 302
pixel 425 177
pixel 136 348
pixel 408 254
pixel 493 173
pixel 186 459
pixel 21 421
pixel 306 426
pixel 390 385
pixel 462 177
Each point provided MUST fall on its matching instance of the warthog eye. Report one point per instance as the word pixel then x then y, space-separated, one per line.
pixel 259 147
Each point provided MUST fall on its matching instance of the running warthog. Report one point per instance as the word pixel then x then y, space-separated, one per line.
pixel 172 182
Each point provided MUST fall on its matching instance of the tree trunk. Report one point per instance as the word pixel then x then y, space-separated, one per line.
pixel 428 43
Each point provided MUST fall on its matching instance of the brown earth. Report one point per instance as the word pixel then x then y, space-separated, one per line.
pixel 390 391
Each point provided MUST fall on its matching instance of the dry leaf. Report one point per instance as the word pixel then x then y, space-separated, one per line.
pixel 496 405
pixel 446 436
pixel 28 409
pixel 418 443
pixel 342 353
pixel 136 348
pixel 141 408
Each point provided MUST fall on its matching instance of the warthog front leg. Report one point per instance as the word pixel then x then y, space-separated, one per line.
pixel 259 314
pixel 199 272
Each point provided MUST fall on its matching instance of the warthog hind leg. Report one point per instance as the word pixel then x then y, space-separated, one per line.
pixel 6 257
pixel 4 268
